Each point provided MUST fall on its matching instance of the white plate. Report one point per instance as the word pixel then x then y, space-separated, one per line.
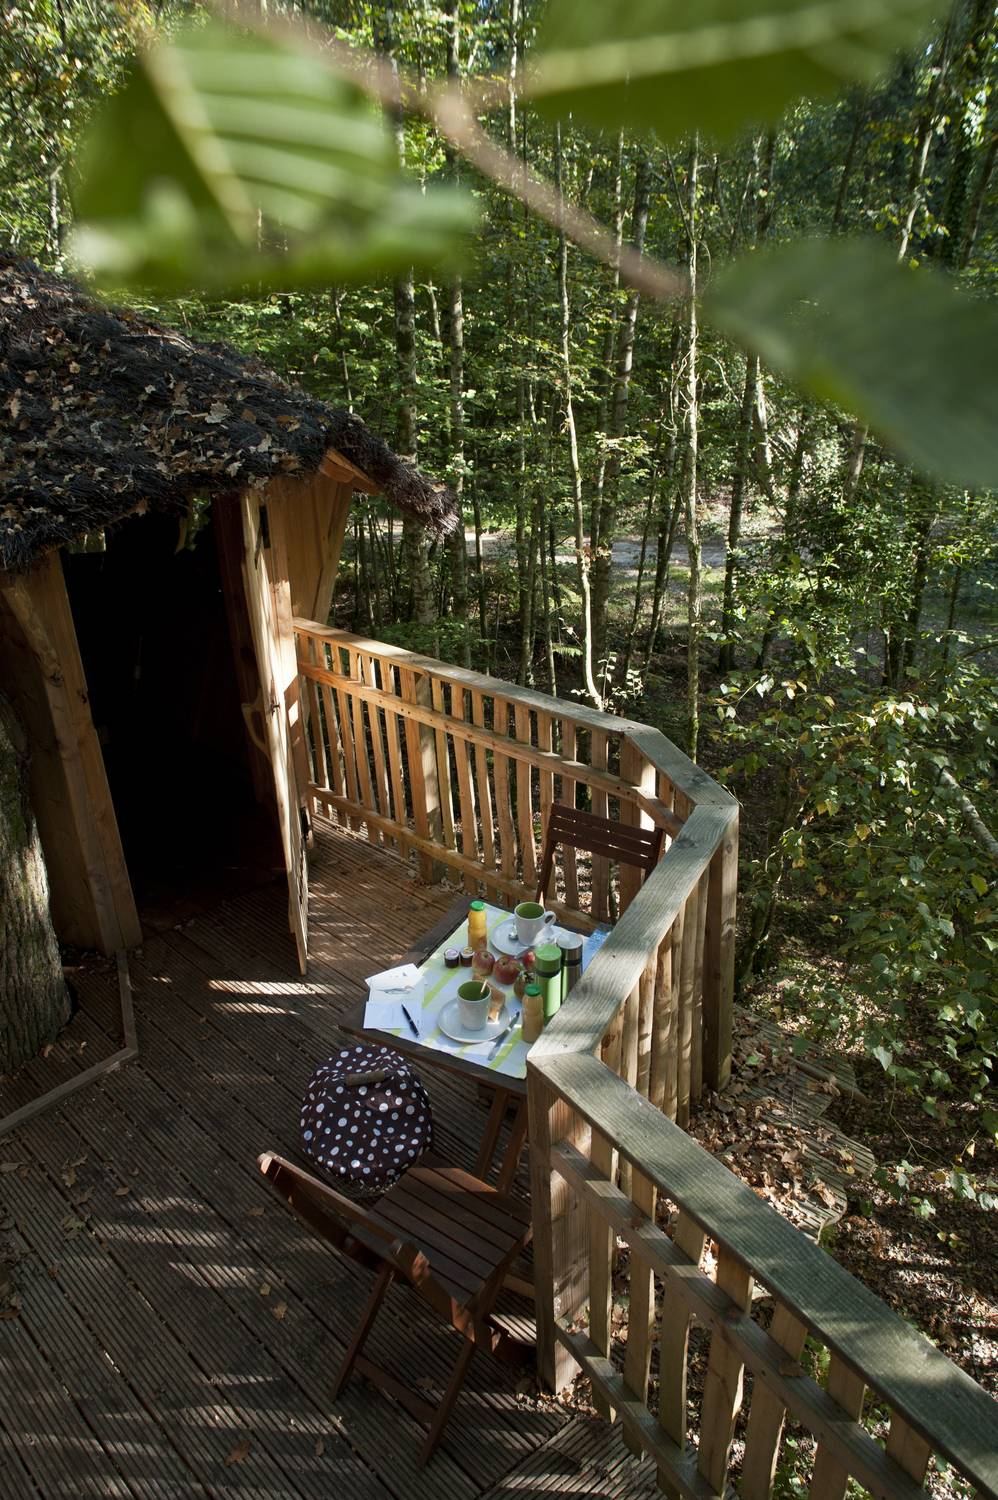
pixel 449 1022
pixel 506 939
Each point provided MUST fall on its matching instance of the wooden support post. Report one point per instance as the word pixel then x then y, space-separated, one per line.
pixel 719 960
pixel 560 1230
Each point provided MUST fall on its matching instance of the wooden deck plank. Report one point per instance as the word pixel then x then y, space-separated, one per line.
pixel 162 1284
pixel 426 1348
pixel 144 1466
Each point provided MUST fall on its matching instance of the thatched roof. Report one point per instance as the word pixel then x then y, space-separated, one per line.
pixel 102 412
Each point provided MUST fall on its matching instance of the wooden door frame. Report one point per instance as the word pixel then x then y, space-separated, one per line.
pixel 39 602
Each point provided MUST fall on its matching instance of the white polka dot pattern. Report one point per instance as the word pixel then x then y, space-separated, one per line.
pixel 366 1134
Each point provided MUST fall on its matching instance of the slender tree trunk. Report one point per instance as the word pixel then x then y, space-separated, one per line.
pixel 34 1003
pixel 456 547
pixel 578 518
pixel 414 546
pixel 603 565
pixel 739 480
pixel 693 547
pixel 604 379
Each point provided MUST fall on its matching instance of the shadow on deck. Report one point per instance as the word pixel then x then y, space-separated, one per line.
pixel 170 1329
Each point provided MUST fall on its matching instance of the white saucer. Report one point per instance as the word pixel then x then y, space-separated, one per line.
pixel 507 940
pixel 450 1023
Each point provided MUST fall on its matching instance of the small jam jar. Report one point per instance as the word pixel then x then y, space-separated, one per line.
pixel 466 957
pixel 452 957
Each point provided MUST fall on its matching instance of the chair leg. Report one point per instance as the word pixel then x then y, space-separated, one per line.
pixel 486 1150
pixel 450 1395
pixel 385 1278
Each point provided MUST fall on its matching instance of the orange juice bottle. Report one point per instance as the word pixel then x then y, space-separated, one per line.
pixel 478 936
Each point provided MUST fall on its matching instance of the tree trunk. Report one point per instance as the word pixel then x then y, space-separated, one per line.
pixel 456 547
pixel 693 547
pixel 739 480
pixel 602 567
pixel 578 519
pixel 34 1003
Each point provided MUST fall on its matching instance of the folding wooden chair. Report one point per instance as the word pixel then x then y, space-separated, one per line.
pixel 573 829
pixel 449 1235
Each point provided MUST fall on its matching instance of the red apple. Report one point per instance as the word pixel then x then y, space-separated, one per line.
pixel 483 961
pixel 506 969
pixel 528 959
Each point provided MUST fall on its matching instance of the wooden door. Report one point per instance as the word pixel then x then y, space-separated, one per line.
pixel 270 621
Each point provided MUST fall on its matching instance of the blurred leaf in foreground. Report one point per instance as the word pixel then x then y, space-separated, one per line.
pixel 232 156
pixel 902 348
pixel 714 65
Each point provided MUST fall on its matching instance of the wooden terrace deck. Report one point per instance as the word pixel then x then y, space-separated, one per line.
pixel 169 1330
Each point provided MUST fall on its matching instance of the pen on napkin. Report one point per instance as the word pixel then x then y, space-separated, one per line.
pixel 412 1025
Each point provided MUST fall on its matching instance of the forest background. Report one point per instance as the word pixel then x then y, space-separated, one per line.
pixel 659 523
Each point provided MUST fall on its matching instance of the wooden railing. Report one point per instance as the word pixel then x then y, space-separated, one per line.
pixel 456 771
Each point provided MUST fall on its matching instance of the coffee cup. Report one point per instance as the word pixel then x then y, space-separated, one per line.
pixel 473 1001
pixel 531 920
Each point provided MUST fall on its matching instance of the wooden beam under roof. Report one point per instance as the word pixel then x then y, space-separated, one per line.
pixel 335 466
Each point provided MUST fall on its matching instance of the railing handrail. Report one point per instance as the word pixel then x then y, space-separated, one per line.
pixel 949 1409
pixel 684 773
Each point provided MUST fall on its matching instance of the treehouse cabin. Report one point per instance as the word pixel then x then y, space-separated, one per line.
pixel 167 508
pixel 167 1328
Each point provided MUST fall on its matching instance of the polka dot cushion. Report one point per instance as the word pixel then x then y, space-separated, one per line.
pixel 366 1133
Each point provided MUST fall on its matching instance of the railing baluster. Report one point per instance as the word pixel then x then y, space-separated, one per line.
pixel 687 975
pixel 466 791
pixel 599 756
pixel 525 803
pixel 673 1344
pixel 347 738
pixel 442 748
pixel 696 1051
pixel 392 736
pixel 484 797
pixel 545 784
pixel 421 754
pixel 601 1255
pixel 767 1413
pixel 570 868
pixel 507 834
pixel 830 1475
pixel 366 791
pixel 641 1306
pixel 719 959
pixel 908 1448
pixel 663 1030
pixel 380 776
pixel 722 1392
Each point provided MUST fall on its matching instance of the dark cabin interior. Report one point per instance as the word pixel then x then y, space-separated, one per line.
pixel 156 641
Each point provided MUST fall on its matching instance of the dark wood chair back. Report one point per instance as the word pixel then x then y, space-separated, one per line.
pixel 571 828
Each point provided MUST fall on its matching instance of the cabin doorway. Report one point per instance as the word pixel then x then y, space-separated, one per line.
pixel 154 623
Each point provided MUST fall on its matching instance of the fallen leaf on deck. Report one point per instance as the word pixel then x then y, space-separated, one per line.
pixel 254 1213
pixel 122 1192
pixel 320 1446
pixel 280 1310
pixel 265 1289
pixel 11 1166
pixel 237 1455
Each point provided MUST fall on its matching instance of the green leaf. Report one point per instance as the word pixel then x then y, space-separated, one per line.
pixel 884 1056
pixel 900 347
pixel 233 156
pixel 714 65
